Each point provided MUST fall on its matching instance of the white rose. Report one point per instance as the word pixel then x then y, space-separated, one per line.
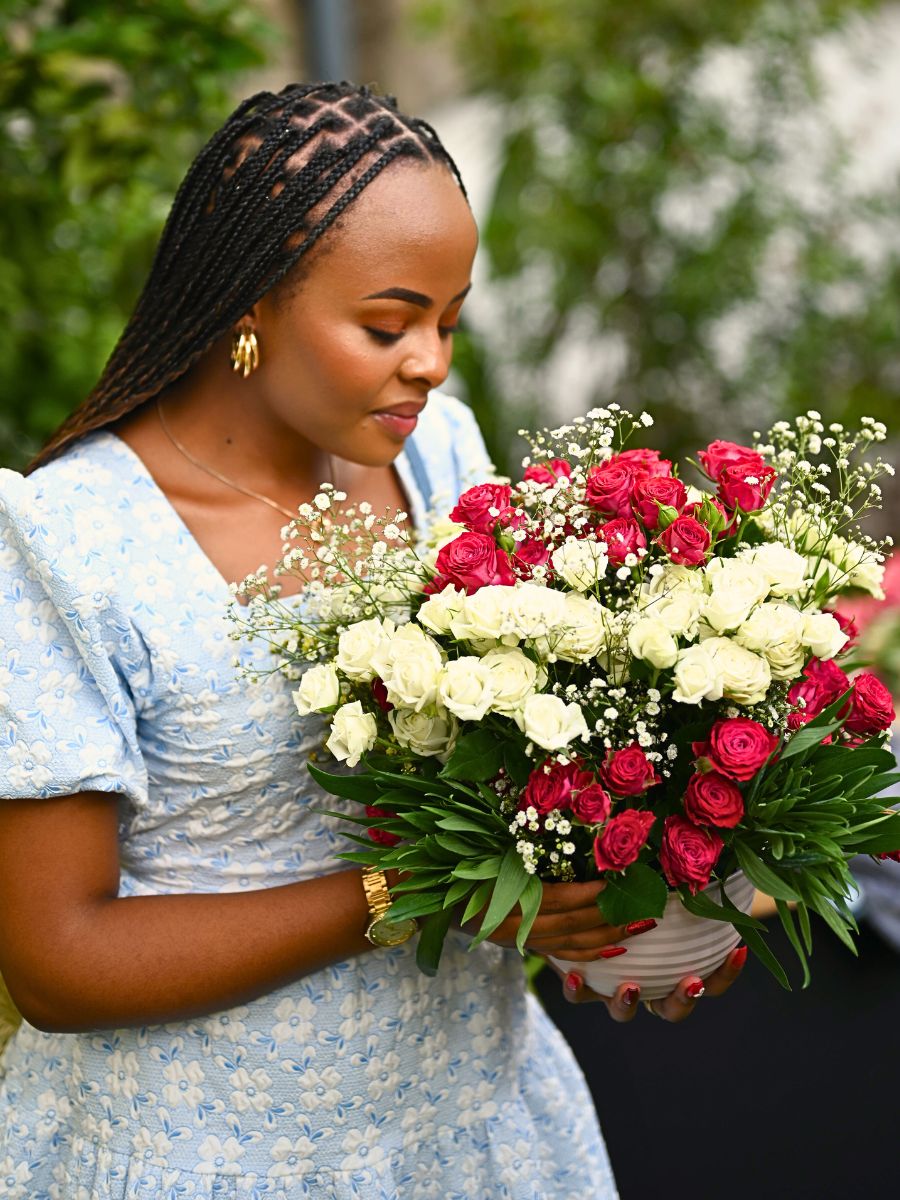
pixel 865 569
pixel 737 587
pixel 745 676
pixel 514 677
pixel 822 633
pixel 442 531
pixel 466 688
pixel 584 630
pixel 697 676
pixel 537 615
pixel 672 578
pixel 410 666
pixel 439 610
pixel 486 616
pixel 319 690
pixel 359 645
pixel 774 630
pixel 651 641
pixel 550 722
pixel 353 733
pixel 427 734
pixel 784 568
pixel 580 563
pixel 679 610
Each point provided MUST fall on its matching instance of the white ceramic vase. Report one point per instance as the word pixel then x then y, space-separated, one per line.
pixel 680 945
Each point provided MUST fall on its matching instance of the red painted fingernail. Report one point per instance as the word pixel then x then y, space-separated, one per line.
pixel 695 989
pixel 738 958
pixel 640 926
pixel 612 952
pixel 573 981
pixel 630 995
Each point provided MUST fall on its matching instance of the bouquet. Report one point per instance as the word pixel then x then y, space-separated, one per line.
pixel 602 671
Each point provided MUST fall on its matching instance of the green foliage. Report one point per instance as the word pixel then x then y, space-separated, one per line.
pixel 103 108
pixel 604 129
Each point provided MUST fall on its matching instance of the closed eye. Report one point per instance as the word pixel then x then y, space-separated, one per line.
pixel 383 336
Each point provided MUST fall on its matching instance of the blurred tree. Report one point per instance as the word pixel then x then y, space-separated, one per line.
pixel 670 225
pixel 103 106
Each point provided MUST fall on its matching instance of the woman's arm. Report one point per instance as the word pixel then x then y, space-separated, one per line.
pixel 75 956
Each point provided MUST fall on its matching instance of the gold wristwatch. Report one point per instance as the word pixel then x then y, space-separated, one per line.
pixel 382 931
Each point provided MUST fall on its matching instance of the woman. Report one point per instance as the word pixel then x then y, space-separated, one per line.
pixel 204 1014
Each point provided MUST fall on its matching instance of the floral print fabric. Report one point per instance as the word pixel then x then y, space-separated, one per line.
pixel 366 1080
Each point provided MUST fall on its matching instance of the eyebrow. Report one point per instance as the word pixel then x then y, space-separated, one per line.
pixel 410 297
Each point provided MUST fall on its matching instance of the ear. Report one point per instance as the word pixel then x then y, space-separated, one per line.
pixel 249 319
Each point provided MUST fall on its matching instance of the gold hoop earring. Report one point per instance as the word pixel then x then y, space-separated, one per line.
pixel 244 351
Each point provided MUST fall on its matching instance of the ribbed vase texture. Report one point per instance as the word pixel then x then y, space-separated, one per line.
pixel 680 945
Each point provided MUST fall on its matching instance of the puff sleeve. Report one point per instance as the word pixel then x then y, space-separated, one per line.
pixel 67 720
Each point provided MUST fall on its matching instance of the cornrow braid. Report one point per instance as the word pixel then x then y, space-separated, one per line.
pixel 259 196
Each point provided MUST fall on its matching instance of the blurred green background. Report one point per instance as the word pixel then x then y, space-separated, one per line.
pixel 678 200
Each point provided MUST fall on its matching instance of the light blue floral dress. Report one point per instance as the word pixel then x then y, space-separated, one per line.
pixel 366 1080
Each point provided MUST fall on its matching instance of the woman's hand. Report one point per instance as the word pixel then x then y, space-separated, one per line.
pixel 679 1004
pixel 569 925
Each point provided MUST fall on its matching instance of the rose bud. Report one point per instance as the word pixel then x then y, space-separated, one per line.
pixel 686 541
pixel 746 486
pixel 628 772
pixel 591 804
pixel 643 461
pixel 471 561
pixel 548 472
pixel 873 707
pixel 711 799
pixel 737 747
pixel 649 493
pixel 608 489
pixel 481 506
pixel 622 840
pixel 381 836
pixel 688 853
pixel 623 536
pixel 718 455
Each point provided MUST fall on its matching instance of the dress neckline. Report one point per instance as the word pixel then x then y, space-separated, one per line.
pixel 407 477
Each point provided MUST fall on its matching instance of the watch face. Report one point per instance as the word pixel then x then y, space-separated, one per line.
pixel 385 932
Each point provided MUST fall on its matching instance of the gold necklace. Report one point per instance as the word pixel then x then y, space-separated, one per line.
pixel 224 478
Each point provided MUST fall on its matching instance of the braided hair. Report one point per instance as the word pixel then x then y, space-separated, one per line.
pixel 258 197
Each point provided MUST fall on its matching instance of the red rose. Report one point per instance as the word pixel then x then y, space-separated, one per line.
pixel 623 536
pixel 471 561
pixel 820 685
pixel 548 472
pixel 746 486
pixel 873 708
pixel 628 772
pixel 712 799
pixel 643 461
pixel 529 554
pixel 551 785
pixel 685 541
pixel 608 489
pixel 379 691
pixel 688 853
pixel 591 805
pixel 728 523
pixel 665 489
pixel 381 835
pixel 737 747
pixel 473 508
pixel 718 455
pixel 622 839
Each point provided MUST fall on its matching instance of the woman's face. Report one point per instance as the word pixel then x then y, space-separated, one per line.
pixel 348 358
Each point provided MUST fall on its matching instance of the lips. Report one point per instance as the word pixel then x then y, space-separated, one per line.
pixel 401 419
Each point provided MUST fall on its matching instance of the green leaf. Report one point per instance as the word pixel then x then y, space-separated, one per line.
pixel 487 868
pixel 432 934
pixel 787 921
pixel 477 901
pixel 511 883
pixel 478 755
pixel 701 904
pixel 637 893
pixel 415 904
pixel 530 903
pixel 835 921
pixel 457 891
pixel 363 787
pixel 457 845
pixel 517 763
pixel 762 876
pixel 454 823
pixel 757 944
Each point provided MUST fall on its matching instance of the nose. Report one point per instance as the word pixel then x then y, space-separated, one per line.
pixel 428 361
